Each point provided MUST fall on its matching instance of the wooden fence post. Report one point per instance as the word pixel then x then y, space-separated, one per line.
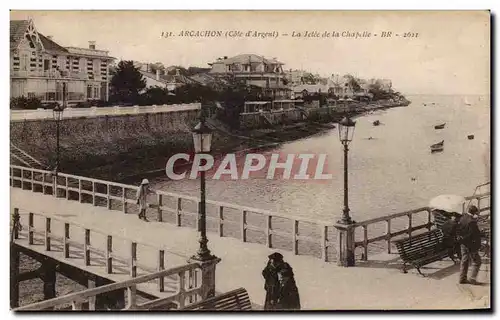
pixel 93 194
pixel 365 243
pixel 32 181
pixel 221 221
pixel 108 199
pixel 429 219
pixel 295 233
pixel 30 228
pixel 133 259
pixel 179 210
pixel 47 234
pixel 161 266
pixel 79 190
pixel 65 240
pixel 244 226
pixel 67 188
pixel 269 231
pixel 16 222
pixel 124 200
pixel 109 258
pixel 388 234
pixel 409 225
pixel 324 243
pixel 131 297
pixel 160 204
pixel 86 248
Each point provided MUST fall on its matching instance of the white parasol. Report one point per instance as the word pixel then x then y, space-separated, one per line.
pixel 448 202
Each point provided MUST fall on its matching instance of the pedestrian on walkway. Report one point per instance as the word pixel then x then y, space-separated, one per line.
pixel 141 199
pixel 450 238
pixel 288 298
pixel 272 285
pixel 470 241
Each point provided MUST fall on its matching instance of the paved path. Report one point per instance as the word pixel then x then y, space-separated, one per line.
pixel 378 284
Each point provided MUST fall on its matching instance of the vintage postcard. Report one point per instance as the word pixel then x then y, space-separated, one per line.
pixel 250 160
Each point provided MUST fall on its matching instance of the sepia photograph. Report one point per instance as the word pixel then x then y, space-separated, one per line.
pixel 250 160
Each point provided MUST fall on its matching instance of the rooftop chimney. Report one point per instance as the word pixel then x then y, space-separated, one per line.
pixel 92 45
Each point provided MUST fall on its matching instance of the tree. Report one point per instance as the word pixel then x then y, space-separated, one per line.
pixel 155 95
pixel 378 92
pixel 126 83
pixel 353 83
pixel 309 78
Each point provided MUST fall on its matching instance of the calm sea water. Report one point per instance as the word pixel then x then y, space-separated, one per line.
pixel 380 169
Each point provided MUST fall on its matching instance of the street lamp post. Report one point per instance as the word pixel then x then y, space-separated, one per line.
pixel 345 226
pixel 57 113
pixel 202 138
pixel 346 133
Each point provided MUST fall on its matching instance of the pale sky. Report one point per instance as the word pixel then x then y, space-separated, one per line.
pixel 450 56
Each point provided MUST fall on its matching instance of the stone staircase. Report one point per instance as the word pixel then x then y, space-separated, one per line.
pixel 19 156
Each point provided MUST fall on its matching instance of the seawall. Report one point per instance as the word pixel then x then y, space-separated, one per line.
pixel 117 146
pixel 106 141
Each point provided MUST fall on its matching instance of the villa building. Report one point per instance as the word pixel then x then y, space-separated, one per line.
pixel 254 70
pixel 39 67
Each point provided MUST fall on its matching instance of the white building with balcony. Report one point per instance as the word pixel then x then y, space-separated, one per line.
pixel 39 67
pixel 254 70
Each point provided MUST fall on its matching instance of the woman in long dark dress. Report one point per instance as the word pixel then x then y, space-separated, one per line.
pixel 288 298
pixel 270 274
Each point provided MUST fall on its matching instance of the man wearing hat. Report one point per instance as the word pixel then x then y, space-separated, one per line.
pixel 141 199
pixel 288 298
pixel 469 237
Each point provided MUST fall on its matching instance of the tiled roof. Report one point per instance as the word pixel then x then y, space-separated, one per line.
pixel 50 45
pixel 169 78
pixel 246 58
pixel 17 30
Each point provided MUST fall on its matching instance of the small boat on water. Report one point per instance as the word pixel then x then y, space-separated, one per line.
pixel 425 104
pixel 470 136
pixel 437 147
pixel 466 102
pixel 440 126
pixel 376 122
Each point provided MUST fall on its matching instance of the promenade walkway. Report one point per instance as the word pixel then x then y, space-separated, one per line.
pixel 375 284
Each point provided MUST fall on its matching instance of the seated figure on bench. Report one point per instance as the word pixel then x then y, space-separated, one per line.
pixel 450 240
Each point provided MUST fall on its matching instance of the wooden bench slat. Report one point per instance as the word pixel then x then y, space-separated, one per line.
pixel 234 300
pixel 422 249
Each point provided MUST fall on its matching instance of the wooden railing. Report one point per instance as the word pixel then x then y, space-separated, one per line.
pixel 411 226
pixel 181 297
pixel 82 244
pixel 389 233
pixel 112 195
pixel 271 225
pixel 85 245
pixel 297 234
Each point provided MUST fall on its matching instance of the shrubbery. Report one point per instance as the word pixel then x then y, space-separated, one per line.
pixel 25 103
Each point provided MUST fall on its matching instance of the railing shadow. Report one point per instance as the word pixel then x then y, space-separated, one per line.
pixel 394 263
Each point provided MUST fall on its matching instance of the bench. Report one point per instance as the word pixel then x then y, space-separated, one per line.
pixel 440 219
pixel 236 300
pixel 422 249
pixel 484 224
